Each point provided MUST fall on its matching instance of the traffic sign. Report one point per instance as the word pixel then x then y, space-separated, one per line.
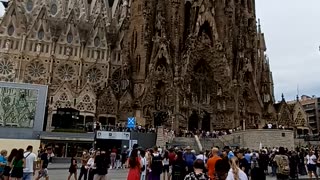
pixel 131 122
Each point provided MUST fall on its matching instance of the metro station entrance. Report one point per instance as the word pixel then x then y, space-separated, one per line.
pixel 108 140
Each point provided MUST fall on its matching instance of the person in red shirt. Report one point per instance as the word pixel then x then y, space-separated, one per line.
pixel 212 162
pixel 172 158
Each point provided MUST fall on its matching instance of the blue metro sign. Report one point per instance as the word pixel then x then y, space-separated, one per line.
pixel 131 122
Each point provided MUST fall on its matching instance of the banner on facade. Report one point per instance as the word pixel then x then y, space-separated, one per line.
pixel 113 135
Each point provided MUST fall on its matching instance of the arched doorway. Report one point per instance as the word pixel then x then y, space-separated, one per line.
pixel 206 126
pixel 193 121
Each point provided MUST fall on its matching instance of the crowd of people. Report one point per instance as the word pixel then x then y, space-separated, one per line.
pixel 22 164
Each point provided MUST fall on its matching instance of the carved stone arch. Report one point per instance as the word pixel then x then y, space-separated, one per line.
pixel 14 16
pixel 62 97
pixel 40 25
pixel 107 103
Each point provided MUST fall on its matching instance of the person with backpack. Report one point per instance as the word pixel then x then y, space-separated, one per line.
pixel 189 157
pixel 156 164
pixel 197 173
pixel 282 162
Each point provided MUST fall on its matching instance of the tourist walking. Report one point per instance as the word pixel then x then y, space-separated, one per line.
pixel 179 167
pixel 144 163
pixel 198 171
pixel 166 163
pixel 73 167
pixel 102 163
pixel 222 168
pixel 189 157
pixel 134 166
pixel 311 164
pixel 3 162
pixel 90 166
pixel 7 168
pixel 235 173
pixel 212 163
pixel 44 162
pixel 84 160
pixel 30 164
pixel 156 164
pixel 282 161
pixel 18 163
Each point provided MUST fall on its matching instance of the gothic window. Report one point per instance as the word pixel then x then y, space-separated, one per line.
pixel 80 106
pixel 205 30
pixel 96 41
pixel 29 5
pixel 161 65
pixel 136 41
pixel 69 37
pixel 68 104
pixel 10 30
pixel 66 72
pixel 138 63
pixel 40 34
pixel 116 78
pixel 63 97
pixel 53 9
pixel 36 69
pixel 6 67
pixel 90 107
pixel 86 99
pixel 94 75
pixel 201 82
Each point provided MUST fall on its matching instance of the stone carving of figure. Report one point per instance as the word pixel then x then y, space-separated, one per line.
pixel 219 91
pixel 38 48
pixel 8 44
pixel 124 12
pixel 68 53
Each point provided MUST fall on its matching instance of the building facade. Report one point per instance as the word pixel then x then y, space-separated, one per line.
pixel 202 62
pixel 311 105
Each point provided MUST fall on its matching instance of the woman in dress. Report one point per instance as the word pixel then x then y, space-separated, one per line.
pixel 73 167
pixel 17 165
pixel 134 165
pixel 7 168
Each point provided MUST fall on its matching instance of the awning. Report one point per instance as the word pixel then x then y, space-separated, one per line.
pixel 88 137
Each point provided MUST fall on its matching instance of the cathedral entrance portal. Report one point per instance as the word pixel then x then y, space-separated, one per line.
pixel 193 121
pixel 206 122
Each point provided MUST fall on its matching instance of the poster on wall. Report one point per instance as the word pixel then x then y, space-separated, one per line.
pixel 18 107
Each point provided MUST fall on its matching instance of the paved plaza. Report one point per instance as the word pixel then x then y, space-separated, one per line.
pixel 57 173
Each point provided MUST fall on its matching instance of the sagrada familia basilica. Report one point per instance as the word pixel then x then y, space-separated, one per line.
pixel 202 62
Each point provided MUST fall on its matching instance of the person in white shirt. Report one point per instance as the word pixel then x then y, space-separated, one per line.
pixel 235 171
pixel 202 157
pixel 30 166
pixel 311 164
pixel 90 166
pixel 144 163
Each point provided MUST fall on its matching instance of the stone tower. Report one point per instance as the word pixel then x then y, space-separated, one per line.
pixel 202 62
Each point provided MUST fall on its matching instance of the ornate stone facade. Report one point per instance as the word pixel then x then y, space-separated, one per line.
pixel 202 61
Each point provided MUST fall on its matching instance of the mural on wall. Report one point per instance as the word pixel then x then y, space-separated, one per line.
pixel 17 107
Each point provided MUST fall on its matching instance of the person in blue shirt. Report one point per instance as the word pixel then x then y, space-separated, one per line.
pixel 229 152
pixel 3 161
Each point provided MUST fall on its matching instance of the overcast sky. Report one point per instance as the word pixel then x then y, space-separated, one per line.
pixel 292 32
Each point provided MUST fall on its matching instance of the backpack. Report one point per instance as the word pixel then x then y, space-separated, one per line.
pixel 284 165
pixel 156 164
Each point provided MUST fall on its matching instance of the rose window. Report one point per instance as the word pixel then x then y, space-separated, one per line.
pixel 6 67
pixel 36 69
pixel 66 72
pixel 94 75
